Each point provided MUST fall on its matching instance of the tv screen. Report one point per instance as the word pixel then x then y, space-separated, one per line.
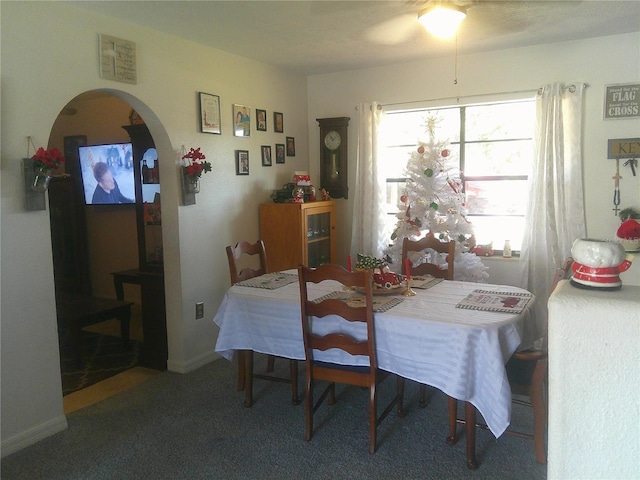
pixel 107 174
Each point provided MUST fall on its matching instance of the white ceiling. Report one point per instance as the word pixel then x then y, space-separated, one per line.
pixel 312 37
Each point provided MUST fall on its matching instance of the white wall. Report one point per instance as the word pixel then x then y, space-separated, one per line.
pixel 594 418
pixel 42 70
pixel 597 62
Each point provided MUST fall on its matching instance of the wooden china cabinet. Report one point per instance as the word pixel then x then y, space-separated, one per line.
pixel 295 233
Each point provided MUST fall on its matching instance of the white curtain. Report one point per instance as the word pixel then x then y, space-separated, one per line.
pixel 367 230
pixel 555 216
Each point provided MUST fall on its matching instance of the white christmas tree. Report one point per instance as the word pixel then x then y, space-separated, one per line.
pixel 435 205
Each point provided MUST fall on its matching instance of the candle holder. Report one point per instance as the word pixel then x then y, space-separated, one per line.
pixel 409 291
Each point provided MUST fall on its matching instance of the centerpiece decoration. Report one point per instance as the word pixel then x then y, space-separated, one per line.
pixel 193 170
pixel 44 161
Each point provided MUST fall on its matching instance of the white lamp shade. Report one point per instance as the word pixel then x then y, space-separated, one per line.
pixel 442 20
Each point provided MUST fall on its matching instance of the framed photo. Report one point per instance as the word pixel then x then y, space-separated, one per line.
pixel 242 162
pixel 241 120
pixel 266 155
pixel 210 113
pixel 261 120
pixel 278 122
pixel 279 152
pixel 291 147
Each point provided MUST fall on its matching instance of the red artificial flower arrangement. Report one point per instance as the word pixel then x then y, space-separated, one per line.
pixel 48 159
pixel 197 164
pixel 629 230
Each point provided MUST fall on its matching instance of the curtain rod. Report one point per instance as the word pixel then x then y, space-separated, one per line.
pixel 571 88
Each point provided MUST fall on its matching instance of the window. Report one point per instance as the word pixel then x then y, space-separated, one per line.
pixel 492 144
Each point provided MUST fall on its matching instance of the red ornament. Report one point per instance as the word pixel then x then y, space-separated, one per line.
pixel 445 153
pixel 403 199
pixel 420 149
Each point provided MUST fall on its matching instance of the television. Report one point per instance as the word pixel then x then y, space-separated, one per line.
pixel 113 165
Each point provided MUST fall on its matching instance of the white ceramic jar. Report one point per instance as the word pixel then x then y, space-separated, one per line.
pixel 597 253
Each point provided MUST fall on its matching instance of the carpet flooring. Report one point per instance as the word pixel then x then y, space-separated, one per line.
pixel 193 426
pixel 103 356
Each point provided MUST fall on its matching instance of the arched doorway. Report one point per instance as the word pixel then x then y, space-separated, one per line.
pixel 107 236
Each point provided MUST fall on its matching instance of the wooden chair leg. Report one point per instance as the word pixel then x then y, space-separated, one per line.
pixel 373 418
pixel 400 390
pixel 293 369
pixel 308 408
pixel 248 378
pixel 270 363
pixel 453 421
pixel 422 396
pixel 539 412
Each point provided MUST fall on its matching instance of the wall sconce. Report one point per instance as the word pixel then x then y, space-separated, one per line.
pixel 442 20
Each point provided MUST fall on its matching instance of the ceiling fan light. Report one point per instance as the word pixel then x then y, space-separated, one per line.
pixel 442 20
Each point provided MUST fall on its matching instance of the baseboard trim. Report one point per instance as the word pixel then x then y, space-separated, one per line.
pixel 34 435
pixel 193 364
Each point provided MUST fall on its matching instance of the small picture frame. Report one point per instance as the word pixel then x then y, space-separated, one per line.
pixel 278 122
pixel 261 120
pixel 291 147
pixel 279 152
pixel 210 113
pixel 242 162
pixel 266 155
pixel 241 120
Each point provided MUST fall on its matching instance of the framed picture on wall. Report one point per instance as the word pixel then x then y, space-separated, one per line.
pixel 291 147
pixel 241 120
pixel 210 113
pixel 278 122
pixel 242 162
pixel 279 152
pixel 266 155
pixel 261 120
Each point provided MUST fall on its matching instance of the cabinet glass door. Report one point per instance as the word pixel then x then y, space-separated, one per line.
pixel 318 239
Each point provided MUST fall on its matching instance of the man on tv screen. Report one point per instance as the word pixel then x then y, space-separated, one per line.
pixel 107 190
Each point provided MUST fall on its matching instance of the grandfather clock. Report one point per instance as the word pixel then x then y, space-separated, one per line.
pixel 333 156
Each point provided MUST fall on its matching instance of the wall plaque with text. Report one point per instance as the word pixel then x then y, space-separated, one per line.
pixel 117 59
pixel 622 101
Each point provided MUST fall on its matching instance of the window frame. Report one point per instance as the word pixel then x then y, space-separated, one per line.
pixel 461 145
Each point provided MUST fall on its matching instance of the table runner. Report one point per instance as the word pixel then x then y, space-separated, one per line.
pixel 270 281
pixel 356 299
pixel 492 301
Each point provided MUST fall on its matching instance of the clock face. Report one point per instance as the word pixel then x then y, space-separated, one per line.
pixel 332 140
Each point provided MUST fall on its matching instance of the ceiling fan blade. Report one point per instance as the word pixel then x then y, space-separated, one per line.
pixel 394 31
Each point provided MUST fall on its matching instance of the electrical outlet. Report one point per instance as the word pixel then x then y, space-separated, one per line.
pixel 199 310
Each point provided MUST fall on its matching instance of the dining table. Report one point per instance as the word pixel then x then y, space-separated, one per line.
pixel 455 336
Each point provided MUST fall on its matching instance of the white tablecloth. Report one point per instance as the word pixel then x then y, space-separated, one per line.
pixel 424 338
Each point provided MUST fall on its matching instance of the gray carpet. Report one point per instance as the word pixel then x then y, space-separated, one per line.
pixel 193 426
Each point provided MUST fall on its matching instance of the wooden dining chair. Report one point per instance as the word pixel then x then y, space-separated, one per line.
pixel 334 337
pixel 424 245
pixel 527 374
pixel 426 268
pixel 253 257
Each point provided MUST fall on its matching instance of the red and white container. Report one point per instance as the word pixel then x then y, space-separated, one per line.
pixel 598 263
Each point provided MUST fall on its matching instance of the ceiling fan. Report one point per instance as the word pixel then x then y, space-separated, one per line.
pixel 486 17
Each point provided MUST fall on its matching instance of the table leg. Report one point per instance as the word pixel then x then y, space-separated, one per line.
pixel 453 421
pixel 470 419
pixel 248 378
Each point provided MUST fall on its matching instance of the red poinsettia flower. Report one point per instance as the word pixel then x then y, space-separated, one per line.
pixel 48 159
pixel 629 230
pixel 197 163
